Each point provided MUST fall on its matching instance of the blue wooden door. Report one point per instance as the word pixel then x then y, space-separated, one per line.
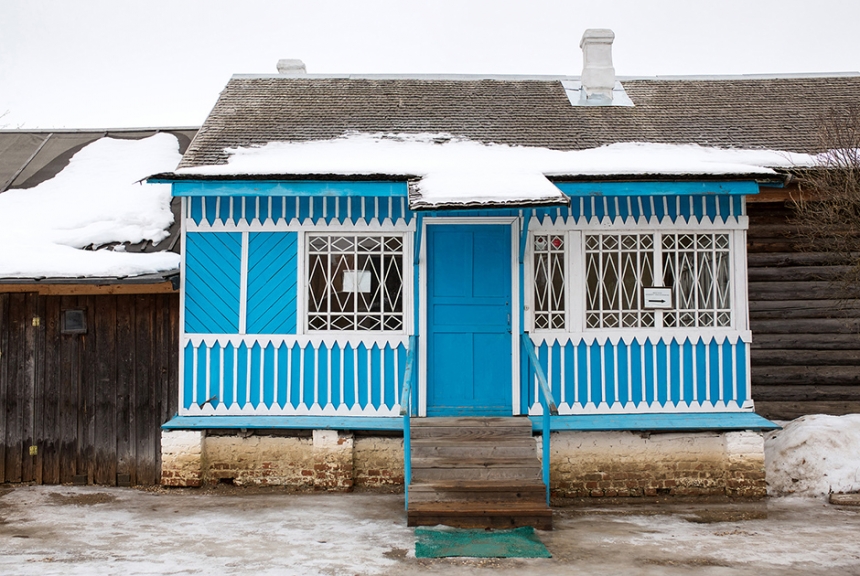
pixel 469 369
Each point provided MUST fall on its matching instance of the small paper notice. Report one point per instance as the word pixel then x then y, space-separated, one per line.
pixel 356 281
pixel 657 298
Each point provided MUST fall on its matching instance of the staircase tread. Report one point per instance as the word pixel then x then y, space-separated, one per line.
pixel 461 463
pixel 483 508
pixel 472 422
pixel 469 485
pixel 501 441
pixel 472 472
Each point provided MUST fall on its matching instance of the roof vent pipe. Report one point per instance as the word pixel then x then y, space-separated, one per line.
pixel 598 75
pixel 291 66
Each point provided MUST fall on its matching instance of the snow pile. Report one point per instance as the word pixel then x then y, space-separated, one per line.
pixel 814 455
pixel 95 200
pixel 455 169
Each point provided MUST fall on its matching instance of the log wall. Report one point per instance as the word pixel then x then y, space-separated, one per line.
pixel 86 408
pixel 805 354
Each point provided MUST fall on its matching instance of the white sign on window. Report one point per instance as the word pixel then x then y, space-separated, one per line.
pixel 356 281
pixel 657 298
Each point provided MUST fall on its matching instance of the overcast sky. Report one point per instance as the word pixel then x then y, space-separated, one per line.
pixel 111 63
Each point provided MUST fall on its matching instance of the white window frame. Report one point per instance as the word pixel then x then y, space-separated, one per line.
pixel 302 326
pixel 575 297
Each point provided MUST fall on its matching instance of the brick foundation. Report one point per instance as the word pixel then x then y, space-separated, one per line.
pixel 595 464
pixel 181 458
pixel 327 461
pixel 378 462
pixel 614 464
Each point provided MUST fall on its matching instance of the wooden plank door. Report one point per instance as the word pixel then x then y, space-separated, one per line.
pixel 469 351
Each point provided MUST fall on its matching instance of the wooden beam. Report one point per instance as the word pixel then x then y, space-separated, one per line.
pixel 789 410
pixel 769 194
pixel 88 289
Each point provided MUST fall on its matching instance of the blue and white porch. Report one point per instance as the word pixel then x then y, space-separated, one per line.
pixel 265 337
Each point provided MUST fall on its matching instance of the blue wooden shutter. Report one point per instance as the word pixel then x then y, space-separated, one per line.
pixel 272 279
pixel 213 271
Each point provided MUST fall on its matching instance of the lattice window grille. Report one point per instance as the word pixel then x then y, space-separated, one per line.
pixel 617 267
pixel 549 279
pixel 355 282
pixel 697 267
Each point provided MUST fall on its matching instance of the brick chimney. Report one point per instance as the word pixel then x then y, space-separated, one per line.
pixel 598 75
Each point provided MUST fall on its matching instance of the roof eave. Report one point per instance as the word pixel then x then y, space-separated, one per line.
pixel 155 278
pixel 419 205
pixel 763 178
pixel 171 177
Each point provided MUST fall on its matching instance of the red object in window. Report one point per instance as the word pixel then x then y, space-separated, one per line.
pixel 556 242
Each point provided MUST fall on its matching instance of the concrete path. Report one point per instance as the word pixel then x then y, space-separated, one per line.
pixel 67 530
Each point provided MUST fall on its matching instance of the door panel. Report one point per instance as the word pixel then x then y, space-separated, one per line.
pixel 469 368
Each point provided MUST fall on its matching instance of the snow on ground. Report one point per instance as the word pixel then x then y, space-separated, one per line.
pixel 84 530
pixel 455 169
pixel 814 456
pixel 94 200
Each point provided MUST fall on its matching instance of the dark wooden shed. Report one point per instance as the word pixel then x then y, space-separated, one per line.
pixel 805 354
pixel 88 366
pixel 85 406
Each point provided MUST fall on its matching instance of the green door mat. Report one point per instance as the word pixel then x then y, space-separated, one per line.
pixel 454 542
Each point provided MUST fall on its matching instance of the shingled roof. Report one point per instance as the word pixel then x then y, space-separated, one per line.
pixel 747 112
pixel 29 158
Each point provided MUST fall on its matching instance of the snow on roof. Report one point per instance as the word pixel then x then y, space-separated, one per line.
pixel 97 199
pixel 457 170
pixel 814 456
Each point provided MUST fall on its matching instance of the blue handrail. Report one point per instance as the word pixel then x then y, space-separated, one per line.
pixel 406 412
pixel 547 403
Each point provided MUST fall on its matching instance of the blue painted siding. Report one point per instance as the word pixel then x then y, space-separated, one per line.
pixel 715 208
pixel 643 374
pixel 272 282
pixel 352 208
pixel 212 282
pixel 272 376
pixel 655 188
pixel 286 209
pixel 291 188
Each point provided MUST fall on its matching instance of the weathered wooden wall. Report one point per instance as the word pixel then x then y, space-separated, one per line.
pixel 92 404
pixel 806 324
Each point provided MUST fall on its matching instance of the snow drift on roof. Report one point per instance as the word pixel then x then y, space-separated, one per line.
pixel 95 200
pixel 456 170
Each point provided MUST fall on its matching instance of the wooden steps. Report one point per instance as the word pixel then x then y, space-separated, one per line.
pixel 476 472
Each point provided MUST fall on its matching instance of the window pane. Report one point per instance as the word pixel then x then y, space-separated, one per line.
pixel 697 268
pixel 549 281
pixel 617 266
pixel 355 282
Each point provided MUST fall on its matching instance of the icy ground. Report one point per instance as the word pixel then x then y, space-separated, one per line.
pixel 63 530
pixel 97 199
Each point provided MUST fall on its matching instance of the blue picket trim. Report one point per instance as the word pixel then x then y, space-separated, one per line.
pixel 658 422
pixel 716 207
pixel 656 188
pixel 316 208
pixel 394 423
pixel 286 187
pixel 668 385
